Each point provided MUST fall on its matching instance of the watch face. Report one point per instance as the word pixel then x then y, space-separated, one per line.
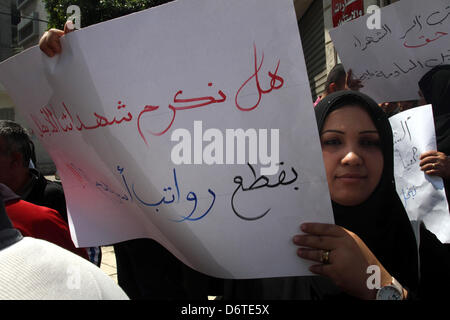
pixel 389 293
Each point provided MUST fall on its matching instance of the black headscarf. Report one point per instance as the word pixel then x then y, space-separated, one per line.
pixel 435 86
pixel 381 221
pixel 8 235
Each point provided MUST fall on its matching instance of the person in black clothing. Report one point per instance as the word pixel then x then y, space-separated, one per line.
pixel 147 270
pixel 373 229
pixel 435 87
pixel 371 225
pixel 46 193
pixel 8 234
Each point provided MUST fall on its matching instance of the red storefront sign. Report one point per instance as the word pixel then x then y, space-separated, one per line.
pixel 346 10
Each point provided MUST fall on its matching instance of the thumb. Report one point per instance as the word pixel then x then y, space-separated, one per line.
pixel 69 27
pixel 57 32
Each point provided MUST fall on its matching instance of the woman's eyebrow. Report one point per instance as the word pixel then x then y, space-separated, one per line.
pixel 334 131
pixel 368 131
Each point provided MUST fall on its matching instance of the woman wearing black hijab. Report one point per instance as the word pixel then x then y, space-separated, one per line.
pixel 435 87
pixel 372 227
pixel 357 148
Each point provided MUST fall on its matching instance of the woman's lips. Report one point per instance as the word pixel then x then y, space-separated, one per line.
pixel 351 177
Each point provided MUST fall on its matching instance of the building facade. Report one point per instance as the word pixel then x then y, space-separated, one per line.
pixel 22 23
pixel 5 29
pixel 8 45
pixel 33 23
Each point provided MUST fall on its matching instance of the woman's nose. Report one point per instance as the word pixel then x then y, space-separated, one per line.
pixel 352 158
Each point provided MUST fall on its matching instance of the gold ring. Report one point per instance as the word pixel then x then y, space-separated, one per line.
pixel 325 257
pixel 434 165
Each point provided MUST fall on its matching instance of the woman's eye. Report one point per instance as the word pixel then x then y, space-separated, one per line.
pixel 370 143
pixel 331 142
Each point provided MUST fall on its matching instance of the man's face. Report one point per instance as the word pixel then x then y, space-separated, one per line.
pixel 6 164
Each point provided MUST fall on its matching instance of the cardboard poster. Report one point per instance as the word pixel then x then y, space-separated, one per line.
pixel 423 196
pixel 190 123
pixel 391 49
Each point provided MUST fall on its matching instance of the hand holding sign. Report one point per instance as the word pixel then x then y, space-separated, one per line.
pixel 435 163
pixel 50 41
pixel 351 83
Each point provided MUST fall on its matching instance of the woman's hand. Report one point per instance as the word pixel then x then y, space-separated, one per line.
pixel 389 107
pixel 351 83
pixel 348 257
pixel 50 43
pixel 435 163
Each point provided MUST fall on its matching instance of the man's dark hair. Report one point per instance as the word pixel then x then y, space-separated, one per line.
pixel 17 140
pixel 336 75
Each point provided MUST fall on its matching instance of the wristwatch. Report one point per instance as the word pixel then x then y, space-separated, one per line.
pixel 392 291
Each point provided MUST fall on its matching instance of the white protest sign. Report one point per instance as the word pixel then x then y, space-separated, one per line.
pixel 190 123
pixel 423 196
pixel 414 37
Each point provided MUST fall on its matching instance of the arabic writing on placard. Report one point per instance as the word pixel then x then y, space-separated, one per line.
pixel 399 68
pixel 375 37
pixel 346 10
pixel 418 35
pixel 260 182
pixel 54 120
pixel 408 193
pixel 172 194
pixel 406 155
pixel 411 156
pixel 422 31
pixel 408 159
pixel 405 130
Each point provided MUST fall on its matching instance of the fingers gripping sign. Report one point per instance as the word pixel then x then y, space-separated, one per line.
pixel 321 242
pixel 435 163
pixel 50 42
pixel 341 256
pixel 351 83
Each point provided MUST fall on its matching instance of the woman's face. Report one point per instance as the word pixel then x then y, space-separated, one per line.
pixel 352 155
